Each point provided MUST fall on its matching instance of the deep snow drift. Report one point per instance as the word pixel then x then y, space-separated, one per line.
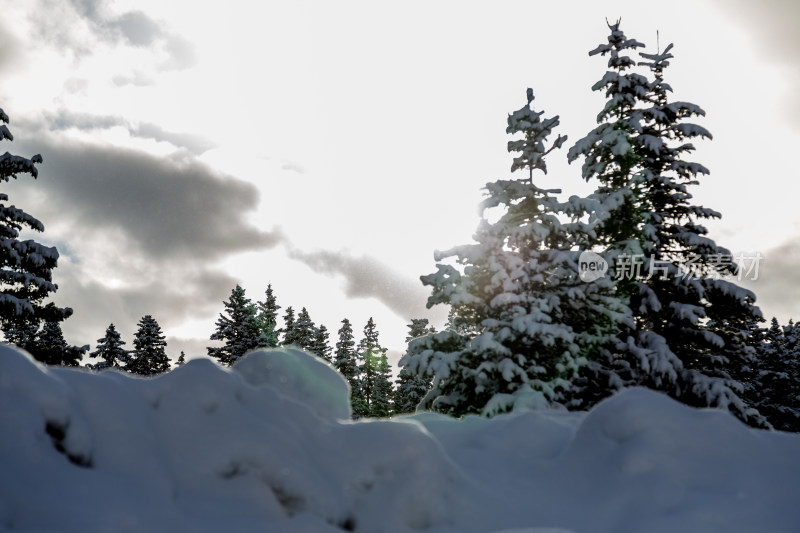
pixel 266 446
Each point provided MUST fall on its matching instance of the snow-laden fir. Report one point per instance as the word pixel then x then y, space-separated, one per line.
pixel 267 445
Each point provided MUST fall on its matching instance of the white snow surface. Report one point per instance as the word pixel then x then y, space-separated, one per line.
pixel 267 446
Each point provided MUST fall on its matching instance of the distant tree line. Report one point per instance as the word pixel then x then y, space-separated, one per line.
pixel 245 325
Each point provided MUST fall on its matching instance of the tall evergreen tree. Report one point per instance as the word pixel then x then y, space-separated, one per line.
pixel 529 323
pixel 26 267
pixel 110 350
pixel 374 377
pixel 267 319
pixel 411 388
pixel 345 357
pixel 370 338
pixel 380 400
pixel 149 356
pixel 687 325
pixel 237 327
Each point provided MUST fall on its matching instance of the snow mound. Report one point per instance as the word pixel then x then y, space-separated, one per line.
pixel 266 446
pixel 297 375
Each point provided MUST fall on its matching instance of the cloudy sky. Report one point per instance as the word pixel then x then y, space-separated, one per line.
pixel 329 148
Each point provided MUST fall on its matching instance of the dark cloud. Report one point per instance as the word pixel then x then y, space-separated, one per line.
pixel 366 277
pixel 138 234
pixel 777 288
pixel 162 208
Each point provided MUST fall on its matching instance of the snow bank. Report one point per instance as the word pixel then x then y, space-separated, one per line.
pixel 266 446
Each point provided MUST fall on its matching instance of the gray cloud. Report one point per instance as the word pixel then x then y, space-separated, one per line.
pixel 778 285
pixel 179 293
pixel 180 54
pixel 366 277
pixel 162 208
pixel 137 79
pixel 10 49
pixel 773 23
pixel 192 142
pixel 64 119
pixel 75 26
pixel 293 167
pixel 136 28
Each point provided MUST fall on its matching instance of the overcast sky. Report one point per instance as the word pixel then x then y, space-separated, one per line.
pixel 329 148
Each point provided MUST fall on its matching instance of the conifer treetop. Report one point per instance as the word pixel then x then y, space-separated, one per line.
pixel 531 147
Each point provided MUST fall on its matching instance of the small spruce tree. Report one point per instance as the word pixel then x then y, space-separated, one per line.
pixel 775 387
pixel 149 357
pixel 321 345
pixel 51 348
pixel 411 388
pixel 344 359
pixel 237 327
pixel 110 351
pixel 304 331
pixel 371 357
pixel 290 336
pixel 267 319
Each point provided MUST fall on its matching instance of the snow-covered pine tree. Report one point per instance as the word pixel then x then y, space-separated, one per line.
pixel 289 334
pixel 181 360
pixel 267 319
pixel 26 267
pixel 149 356
pixel 536 324
pixel 238 327
pixel 687 326
pixel 411 388
pixel 608 148
pixel 321 345
pixel 304 331
pixel 52 349
pixel 110 350
pixel 344 359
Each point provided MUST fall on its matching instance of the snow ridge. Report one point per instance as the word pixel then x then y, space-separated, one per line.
pixel 268 445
